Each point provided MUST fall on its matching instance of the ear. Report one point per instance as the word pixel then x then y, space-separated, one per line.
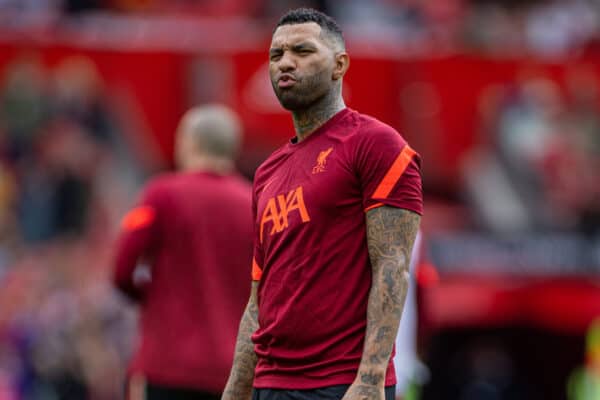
pixel 342 63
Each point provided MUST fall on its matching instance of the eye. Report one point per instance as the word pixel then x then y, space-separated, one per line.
pixel 303 50
pixel 275 55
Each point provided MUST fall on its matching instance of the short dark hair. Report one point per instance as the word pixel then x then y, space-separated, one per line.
pixel 304 15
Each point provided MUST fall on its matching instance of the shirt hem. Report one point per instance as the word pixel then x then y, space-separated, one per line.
pixel 294 383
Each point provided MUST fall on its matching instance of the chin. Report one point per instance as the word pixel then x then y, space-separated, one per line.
pixel 291 106
pixel 291 102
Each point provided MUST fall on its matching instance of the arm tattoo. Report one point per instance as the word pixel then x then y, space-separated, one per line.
pixel 239 384
pixel 390 237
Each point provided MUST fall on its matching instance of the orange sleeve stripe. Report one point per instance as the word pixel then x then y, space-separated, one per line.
pixel 376 205
pixel 256 271
pixel 394 173
pixel 139 217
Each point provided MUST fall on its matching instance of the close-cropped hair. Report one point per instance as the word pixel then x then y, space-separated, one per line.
pixel 329 28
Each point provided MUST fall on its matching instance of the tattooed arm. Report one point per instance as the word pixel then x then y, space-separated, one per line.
pixel 391 234
pixel 239 384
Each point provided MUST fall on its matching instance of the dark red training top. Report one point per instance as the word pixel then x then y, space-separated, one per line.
pixel 310 254
pixel 195 232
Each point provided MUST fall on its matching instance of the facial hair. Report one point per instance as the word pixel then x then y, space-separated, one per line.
pixel 305 92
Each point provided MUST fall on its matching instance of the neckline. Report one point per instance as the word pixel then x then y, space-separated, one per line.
pixel 335 118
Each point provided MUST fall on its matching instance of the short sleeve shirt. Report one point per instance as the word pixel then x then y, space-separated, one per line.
pixel 310 251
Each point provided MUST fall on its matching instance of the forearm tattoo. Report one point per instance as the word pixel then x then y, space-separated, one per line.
pixel 239 384
pixel 391 234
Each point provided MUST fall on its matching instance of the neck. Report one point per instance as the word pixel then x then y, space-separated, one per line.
pixel 217 165
pixel 310 119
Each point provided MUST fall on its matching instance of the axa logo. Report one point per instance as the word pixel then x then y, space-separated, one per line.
pixel 278 209
pixel 322 161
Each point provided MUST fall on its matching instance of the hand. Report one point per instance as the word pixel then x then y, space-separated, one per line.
pixel 362 391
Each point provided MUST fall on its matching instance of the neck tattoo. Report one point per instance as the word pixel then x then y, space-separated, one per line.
pixel 309 120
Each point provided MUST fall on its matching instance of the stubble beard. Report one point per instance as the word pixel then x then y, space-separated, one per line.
pixel 305 93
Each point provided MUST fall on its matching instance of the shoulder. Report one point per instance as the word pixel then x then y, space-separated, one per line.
pixel 372 130
pixel 161 182
pixel 159 186
pixel 370 135
pixel 241 181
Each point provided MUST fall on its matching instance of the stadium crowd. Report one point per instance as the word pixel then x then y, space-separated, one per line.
pixel 64 334
pixel 539 152
pixel 68 170
pixel 547 28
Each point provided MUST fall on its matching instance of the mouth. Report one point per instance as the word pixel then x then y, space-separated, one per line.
pixel 286 81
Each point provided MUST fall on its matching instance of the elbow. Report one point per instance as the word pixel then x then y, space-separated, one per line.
pixel 127 287
pixel 120 282
pixel 405 275
pixel 122 278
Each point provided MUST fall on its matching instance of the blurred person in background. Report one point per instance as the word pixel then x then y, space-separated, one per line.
pixel 336 214
pixel 541 173
pixel 63 331
pixel 181 256
pixel 531 116
pixel 60 141
pixel 584 123
pixel 24 107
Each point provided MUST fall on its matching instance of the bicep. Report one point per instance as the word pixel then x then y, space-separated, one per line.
pixel 391 234
pixel 389 171
pixel 139 230
pixel 136 238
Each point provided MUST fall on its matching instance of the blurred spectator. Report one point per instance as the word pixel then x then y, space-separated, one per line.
pixel 78 95
pixel 184 255
pixel 529 118
pixel 24 106
pixel 542 171
pixel 493 28
pixel 60 139
pixel 583 90
pixel 63 332
pixel 63 326
pixel 30 6
pixel 547 28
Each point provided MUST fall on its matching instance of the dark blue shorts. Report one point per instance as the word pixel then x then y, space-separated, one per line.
pixel 326 393
pixel 150 391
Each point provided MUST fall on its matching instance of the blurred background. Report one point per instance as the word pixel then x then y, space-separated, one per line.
pixel 500 97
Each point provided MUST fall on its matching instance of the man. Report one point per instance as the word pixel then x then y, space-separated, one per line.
pixel 194 231
pixel 336 211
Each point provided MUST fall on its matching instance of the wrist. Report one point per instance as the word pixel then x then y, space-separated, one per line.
pixel 371 376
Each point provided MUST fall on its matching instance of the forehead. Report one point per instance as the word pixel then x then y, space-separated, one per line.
pixel 295 33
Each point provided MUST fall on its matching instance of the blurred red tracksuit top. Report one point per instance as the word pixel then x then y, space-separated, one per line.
pixel 194 231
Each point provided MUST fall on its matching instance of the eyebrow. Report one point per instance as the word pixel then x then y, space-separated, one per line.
pixel 304 46
pixel 275 50
pixel 296 47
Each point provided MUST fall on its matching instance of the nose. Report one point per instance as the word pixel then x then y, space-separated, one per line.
pixel 286 62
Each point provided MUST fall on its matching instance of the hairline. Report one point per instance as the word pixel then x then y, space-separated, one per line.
pixel 327 36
